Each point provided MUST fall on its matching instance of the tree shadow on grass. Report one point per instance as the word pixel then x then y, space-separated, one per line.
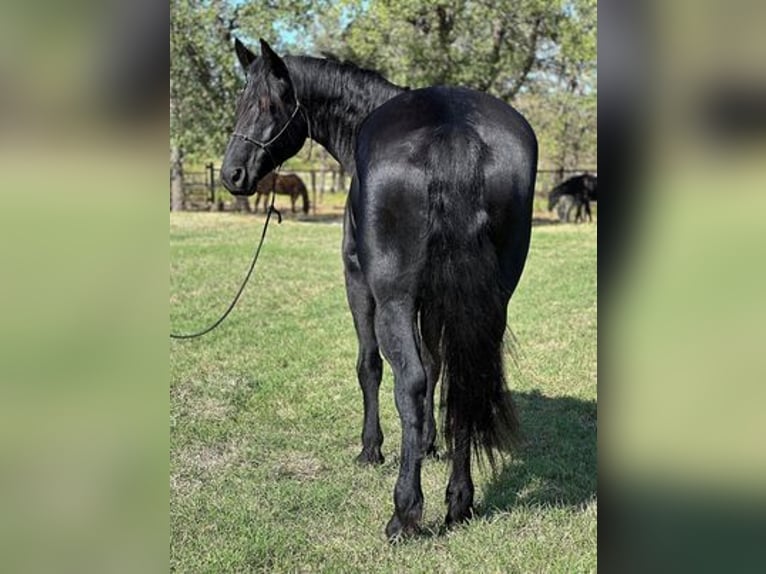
pixel 555 465
pixel 536 221
pixel 331 217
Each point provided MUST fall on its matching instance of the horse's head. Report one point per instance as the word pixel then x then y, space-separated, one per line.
pixel 269 126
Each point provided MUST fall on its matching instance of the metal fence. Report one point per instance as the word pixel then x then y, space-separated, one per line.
pixel 204 192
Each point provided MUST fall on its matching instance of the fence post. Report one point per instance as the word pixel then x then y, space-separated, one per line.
pixel 314 189
pixel 211 182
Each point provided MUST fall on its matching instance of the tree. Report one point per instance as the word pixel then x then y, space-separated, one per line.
pixel 537 54
pixel 561 99
pixel 489 45
pixel 177 199
pixel 202 79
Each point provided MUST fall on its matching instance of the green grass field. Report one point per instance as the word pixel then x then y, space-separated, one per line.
pixel 266 416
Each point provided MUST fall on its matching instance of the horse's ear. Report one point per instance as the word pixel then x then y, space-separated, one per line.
pixel 245 56
pixel 274 63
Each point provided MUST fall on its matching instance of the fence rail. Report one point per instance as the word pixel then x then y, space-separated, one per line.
pixel 203 190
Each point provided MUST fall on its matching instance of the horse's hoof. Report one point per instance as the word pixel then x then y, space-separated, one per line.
pixel 396 532
pixel 432 453
pixel 458 515
pixel 459 499
pixel 370 457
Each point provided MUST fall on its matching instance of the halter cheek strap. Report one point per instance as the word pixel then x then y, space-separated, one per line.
pixel 265 144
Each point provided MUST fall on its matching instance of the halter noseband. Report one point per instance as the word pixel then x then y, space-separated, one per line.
pixel 265 144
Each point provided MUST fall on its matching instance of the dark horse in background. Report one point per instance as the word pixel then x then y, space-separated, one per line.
pixel 575 193
pixel 436 232
pixel 288 184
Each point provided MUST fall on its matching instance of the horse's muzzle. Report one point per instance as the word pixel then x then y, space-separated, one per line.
pixel 237 180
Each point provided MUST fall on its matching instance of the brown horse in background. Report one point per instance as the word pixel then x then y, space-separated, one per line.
pixel 289 184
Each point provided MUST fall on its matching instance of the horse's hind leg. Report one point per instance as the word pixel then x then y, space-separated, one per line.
pixel 459 495
pixel 430 328
pixel 395 324
pixel 293 197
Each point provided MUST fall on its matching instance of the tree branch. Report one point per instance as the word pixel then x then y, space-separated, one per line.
pixel 529 62
pixel 498 36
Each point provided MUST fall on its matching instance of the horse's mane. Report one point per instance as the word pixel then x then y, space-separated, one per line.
pixel 333 72
pixel 329 56
pixel 347 65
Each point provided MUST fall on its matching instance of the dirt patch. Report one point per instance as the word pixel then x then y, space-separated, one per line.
pixel 209 408
pixel 298 466
pixel 189 402
pixel 197 464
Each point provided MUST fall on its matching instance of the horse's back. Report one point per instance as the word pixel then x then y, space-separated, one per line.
pixel 408 120
pixel 584 186
pixel 293 182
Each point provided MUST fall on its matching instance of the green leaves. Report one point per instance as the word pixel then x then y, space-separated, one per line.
pixel 492 46
pixel 538 54
pixel 203 78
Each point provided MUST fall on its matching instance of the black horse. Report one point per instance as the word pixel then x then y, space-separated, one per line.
pixel 576 192
pixel 436 233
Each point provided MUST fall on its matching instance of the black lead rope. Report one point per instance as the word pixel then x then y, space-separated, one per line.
pixel 265 146
pixel 220 320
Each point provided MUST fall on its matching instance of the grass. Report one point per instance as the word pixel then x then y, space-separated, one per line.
pixel 266 416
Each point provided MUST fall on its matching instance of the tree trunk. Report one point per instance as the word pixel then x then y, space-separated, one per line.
pixel 176 180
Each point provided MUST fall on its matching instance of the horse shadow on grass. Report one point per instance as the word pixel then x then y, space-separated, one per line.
pixel 555 463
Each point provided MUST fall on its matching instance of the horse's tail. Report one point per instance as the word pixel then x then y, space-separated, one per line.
pixel 463 291
pixel 304 194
